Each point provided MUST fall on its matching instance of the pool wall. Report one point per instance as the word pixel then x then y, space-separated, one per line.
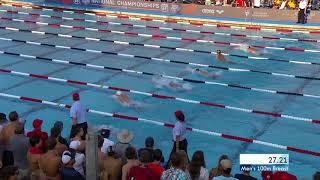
pixel 254 18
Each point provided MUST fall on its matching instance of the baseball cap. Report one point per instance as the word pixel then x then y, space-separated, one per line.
pixel 67 156
pixel 226 164
pixel 37 123
pixel 75 96
pixel 179 115
pixel 105 133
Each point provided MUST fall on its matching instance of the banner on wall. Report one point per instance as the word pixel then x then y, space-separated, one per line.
pixel 247 14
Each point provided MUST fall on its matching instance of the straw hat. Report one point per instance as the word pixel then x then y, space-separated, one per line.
pixel 125 136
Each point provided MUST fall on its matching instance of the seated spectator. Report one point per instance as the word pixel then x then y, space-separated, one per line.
pixel 284 175
pixel 155 166
pixel 124 138
pixel 68 172
pixel 316 176
pixel 176 171
pixel 49 162
pixel 59 126
pixel 9 173
pixel 3 121
pixel 131 156
pixel 37 123
pixel 105 133
pixel 55 135
pixel 185 159
pixel 149 143
pixel 245 176
pixel 33 156
pixel 142 172
pixel 19 145
pixel 266 175
pixel 101 155
pixel 7 158
pixel 217 171
pixel 79 157
pixel 8 131
pixel 197 168
pixel 226 166
pixel 111 166
pixel 77 136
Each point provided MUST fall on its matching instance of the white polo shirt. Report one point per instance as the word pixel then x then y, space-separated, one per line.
pixel 180 129
pixel 303 4
pixel 106 144
pixel 78 111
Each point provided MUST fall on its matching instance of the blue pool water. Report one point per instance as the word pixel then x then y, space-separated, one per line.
pixel 265 128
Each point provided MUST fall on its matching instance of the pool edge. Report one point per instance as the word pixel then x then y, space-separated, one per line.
pixel 189 20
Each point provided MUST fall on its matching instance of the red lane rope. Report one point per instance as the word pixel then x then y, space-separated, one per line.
pixel 161 36
pixel 165 97
pixel 131 118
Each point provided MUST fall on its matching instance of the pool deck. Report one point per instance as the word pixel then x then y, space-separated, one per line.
pixel 184 19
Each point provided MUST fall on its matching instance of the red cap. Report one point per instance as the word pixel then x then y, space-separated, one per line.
pixel 75 96
pixel 37 123
pixel 179 115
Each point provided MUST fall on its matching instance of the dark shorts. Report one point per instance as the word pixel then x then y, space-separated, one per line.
pixel 183 145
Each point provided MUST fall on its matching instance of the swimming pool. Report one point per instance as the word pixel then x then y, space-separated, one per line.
pixel 49 55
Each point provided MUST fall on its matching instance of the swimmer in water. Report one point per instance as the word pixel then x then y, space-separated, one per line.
pixel 122 98
pixel 252 50
pixel 175 85
pixel 220 56
pixel 201 72
pixel 249 49
pixel 206 73
pixel 171 84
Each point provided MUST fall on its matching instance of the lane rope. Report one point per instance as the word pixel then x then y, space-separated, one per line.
pixel 162 20
pixel 164 60
pixel 169 37
pixel 214 83
pixel 156 37
pixel 132 118
pixel 168 28
pixel 162 96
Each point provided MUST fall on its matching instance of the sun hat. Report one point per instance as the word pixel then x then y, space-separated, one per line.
pixel 125 136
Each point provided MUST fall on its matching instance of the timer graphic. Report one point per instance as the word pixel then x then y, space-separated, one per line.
pixel 264 162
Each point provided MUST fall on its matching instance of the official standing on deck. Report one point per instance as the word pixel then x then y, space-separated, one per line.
pixel 302 11
pixel 78 112
pixel 179 132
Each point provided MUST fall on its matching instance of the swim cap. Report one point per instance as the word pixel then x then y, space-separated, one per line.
pixel 118 93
